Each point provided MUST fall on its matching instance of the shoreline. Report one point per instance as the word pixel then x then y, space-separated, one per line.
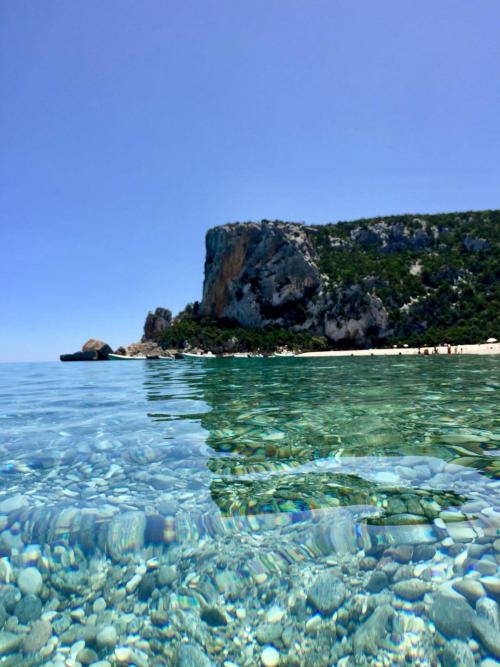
pixel 480 348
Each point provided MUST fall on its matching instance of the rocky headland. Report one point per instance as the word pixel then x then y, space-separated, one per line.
pixel 418 280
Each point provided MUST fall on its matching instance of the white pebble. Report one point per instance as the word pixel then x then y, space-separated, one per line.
pixel 274 615
pixel 99 605
pixel 270 657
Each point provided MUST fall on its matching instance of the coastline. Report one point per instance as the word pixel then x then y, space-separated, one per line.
pixel 480 348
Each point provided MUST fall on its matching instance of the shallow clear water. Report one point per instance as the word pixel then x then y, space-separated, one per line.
pixel 228 512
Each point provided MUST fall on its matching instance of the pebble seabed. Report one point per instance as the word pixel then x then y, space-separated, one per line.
pixel 317 588
pixel 163 550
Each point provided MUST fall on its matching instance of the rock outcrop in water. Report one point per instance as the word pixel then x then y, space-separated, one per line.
pixel 356 282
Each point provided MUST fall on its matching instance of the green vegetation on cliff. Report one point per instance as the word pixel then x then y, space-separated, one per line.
pixel 438 280
pixel 189 330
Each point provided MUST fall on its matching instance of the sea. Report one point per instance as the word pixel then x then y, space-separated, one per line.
pixel 256 511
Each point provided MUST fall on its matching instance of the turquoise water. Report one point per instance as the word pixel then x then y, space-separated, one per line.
pixel 250 511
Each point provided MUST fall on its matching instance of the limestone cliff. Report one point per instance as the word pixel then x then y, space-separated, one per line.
pixel 355 282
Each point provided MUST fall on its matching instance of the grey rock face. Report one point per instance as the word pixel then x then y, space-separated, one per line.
pixel 156 322
pixel 260 274
pixel 327 593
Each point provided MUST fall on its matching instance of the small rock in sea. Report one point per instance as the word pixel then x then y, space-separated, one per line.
pixel 423 552
pixel 487 635
pixel 270 657
pixel 146 587
pixel 125 534
pixel 377 582
pixel 9 597
pixel 275 614
pixel 470 589
pixel 327 593
pixel 191 655
pixel 9 642
pixel 40 634
pixel 213 616
pixel 372 632
pixel 28 609
pixel 269 633
pixel 107 637
pixel 452 616
pixel 123 654
pixel 492 585
pixel 99 605
pixel 410 589
pixel 457 654
pixel 368 563
pixel 402 553
pixel 488 609
pixel 167 574
pixel 30 581
pixel 87 656
pixel 13 504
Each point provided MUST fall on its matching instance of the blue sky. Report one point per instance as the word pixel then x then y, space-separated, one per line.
pixel 128 128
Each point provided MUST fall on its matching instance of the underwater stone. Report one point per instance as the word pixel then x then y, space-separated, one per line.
pixel 452 616
pixel 410 589
pixel 487 635
pixel 470 589
pixel 269 633
pixel 125 534
pixel 30 581
pixel 40 634
pixel 13 504
pixel 327 593
pixel 146 587
pixel 488 609
pixel 191 655
pixel 270 657
pixel 107 637
pixel 368 636
pixel 458 654
pixel 213 616
pixel 9 642
pixel 377 582
pixel 28 609
pixel 423 552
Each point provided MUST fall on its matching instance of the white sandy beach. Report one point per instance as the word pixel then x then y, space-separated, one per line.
pixel 481 348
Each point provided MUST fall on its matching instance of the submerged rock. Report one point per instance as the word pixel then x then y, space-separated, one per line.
pixel 458 654
pixel 452 616
pixel 9 642
pixel 410 589
pixel 126 534
pixel 487 635
pixel 327 593
pixel 190 655
pixel 368 636
pixel 30 581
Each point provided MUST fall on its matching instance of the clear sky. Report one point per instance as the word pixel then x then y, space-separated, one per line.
pixel 129 127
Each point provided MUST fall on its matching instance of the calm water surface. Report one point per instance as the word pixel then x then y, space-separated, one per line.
pixel 250 511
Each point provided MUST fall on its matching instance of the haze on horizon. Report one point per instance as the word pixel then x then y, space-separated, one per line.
pixel 128 129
